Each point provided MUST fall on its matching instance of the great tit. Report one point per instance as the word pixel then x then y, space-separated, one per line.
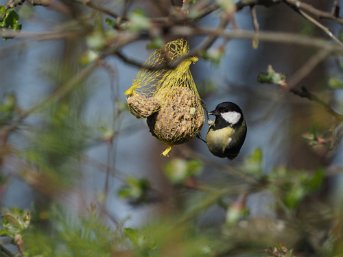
pixel 226 134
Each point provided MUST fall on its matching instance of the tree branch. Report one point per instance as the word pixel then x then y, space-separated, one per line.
pixel 274 37
pixel 303 92
pixel 335 9
pixel 256 25
pixel 96 7
pixel 314 11
pixel 317 23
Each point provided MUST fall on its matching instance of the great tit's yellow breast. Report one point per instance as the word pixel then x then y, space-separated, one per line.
pixel 218 140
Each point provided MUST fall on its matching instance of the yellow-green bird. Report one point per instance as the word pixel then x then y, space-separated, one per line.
pixel 227 133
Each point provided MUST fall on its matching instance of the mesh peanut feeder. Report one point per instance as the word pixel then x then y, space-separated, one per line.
pixel 168 98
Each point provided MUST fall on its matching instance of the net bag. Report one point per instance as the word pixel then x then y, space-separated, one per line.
pixel 168 98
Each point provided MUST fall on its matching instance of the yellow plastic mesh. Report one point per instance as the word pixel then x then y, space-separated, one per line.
pixel 168 98
pixel 146 80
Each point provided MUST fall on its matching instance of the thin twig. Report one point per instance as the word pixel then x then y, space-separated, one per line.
pixel 141 65
pixel 5 252
pixel 209 41
pixel 208 201
pixel 54 5
pixel 39 36
pixel 275 37
pixel 303 92
pixel 243 3
pixel 299 5
pixel 255 24
pixel 99 8
pixel 15 3
pixel 335 9
pixel 321 26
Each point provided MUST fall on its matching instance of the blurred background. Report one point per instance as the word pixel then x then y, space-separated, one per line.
pixel 71 150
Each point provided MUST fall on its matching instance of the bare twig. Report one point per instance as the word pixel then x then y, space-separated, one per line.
pixel 335 8
pixel 209 41
pixel 5 252
pixel 15 3
pixel 256 25
pixel 39 36
pixel 314 11
pixel 267 3
pixel 56 5
pixel 96 7
pixel 303 92
pixel 141 65
pixel 321 26
pixel 275 37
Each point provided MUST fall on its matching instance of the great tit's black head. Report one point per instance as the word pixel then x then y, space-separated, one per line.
pixel 228 112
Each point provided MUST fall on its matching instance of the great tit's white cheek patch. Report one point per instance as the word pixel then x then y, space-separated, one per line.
pixel 231 117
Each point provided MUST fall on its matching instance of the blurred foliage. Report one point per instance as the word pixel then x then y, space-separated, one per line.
pixel 272 77
pixel 179 170
pixel 253 163
pixel 307 29
pixel 70 235
pixel 9 19
pixel 280 251
pixel 14 222
pixel 214 55
pixel 335 83
pixel 135 190
pixel 8 108
pixel 203 206
pixel 138 21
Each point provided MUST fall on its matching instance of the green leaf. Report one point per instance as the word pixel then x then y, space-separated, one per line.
pixel 88 57
pixel 155 43
pixel 227 6
pixel 96 40
pixel 293 188
pixel 2 12
pixel 14 221
pixel 314 182
pixel 138 21
pixel 307 29
pixel 8 108
pixel 294 194
pixel 272 77
pixel 142 242
pixel 134 236
pixel 110 22
pixel 335 83
pixel 179 170
pixel 214 55
pixel 9 19
pixel 235 212
pixel 135 190
pixel 253 163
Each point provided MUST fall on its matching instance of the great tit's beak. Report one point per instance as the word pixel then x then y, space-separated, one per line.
pixel 214 112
